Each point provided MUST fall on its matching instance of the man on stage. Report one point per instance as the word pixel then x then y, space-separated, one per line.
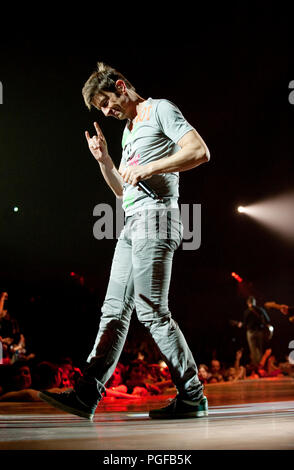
pixel 157 144
pixel 258 330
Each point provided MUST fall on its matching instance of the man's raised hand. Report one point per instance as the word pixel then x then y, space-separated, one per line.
pixel 97 144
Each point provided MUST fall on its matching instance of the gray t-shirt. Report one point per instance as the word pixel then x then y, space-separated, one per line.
pixel 156 130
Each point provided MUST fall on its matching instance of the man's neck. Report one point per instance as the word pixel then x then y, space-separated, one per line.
pixel 135 105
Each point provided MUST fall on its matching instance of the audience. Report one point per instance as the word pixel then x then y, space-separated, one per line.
pixel 138 374
pixel 268 365
pixel 215 370
pixel 12 340
pixel 236 372
pixel 23 379
pixel 203 373
pixel 69 373
pixel 47 376
pixel 16 382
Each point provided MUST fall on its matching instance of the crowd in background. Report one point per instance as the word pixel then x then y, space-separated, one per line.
pixel 23 374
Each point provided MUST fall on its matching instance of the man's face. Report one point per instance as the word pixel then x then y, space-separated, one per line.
pixel 215 366
pixel 112 105
pixel 203 372
pixel 22 378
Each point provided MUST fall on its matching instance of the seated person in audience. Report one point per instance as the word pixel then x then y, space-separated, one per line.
pixel 70 373
pixel 18 386
pixel 115 388
pixel 21 387
pixel 164 370
pixel 139 379
pixel 237 372
pixel 5 352
pixel 47 376
pixel 215 371
pixel 252 372
pixel 203 373
pixel 159 379
pixel 287 366
pixel 268 366
pixel 12 340
pixel 233 374
pixel 115 383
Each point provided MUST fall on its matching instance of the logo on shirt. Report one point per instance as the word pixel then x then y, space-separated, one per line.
pixel 144 114
pixel 128 200
pixel 134 161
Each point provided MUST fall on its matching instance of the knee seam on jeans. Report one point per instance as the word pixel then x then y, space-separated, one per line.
pixel 155 320
pixel 127 302
pixel 124 297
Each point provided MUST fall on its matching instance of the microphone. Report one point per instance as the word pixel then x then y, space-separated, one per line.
pixel 147 190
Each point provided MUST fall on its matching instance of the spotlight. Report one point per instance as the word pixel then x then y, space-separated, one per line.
pixel 15 209
pixel 237 277
pixel 276 213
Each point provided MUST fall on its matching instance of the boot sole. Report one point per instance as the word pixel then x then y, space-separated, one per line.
pixel 66 408
pixel 192 414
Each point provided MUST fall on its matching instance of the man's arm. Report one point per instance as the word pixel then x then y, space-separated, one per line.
pixel 3 297
pixel 245 317
pixel 193 153
pixel 112 177
pixel 98 147
pixel 265 315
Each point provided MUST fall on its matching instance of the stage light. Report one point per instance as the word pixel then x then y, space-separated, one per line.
pixel 276 213
pixel 15 209
pixel 237 277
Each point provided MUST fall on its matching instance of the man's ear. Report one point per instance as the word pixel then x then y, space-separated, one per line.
pixel 120 86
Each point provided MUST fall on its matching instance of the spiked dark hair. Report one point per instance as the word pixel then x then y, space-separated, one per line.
pixel 103 79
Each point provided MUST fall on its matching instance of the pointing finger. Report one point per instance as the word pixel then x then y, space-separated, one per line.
pixel 87 136
pixel 98 130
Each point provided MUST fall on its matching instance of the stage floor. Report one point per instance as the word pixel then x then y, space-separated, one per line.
pixel 251 414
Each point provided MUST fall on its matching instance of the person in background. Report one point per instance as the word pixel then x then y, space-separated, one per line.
pixel 47 376
pixel 204 374
pixel 11 337
pixel 70 374
pixel 18 382
pixel 9 328
pixel 258 330
pixel 23 382
pixel 284 309
pixel 268 366
pixel 215 372
pixel 237 372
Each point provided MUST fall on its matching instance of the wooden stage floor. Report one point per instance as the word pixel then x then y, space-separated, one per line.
pixel 247 415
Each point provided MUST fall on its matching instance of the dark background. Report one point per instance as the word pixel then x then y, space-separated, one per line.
pixel 232 85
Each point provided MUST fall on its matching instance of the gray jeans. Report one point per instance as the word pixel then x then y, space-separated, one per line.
pixel 140 278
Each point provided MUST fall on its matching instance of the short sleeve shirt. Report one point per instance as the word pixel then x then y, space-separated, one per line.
pixel 156 131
